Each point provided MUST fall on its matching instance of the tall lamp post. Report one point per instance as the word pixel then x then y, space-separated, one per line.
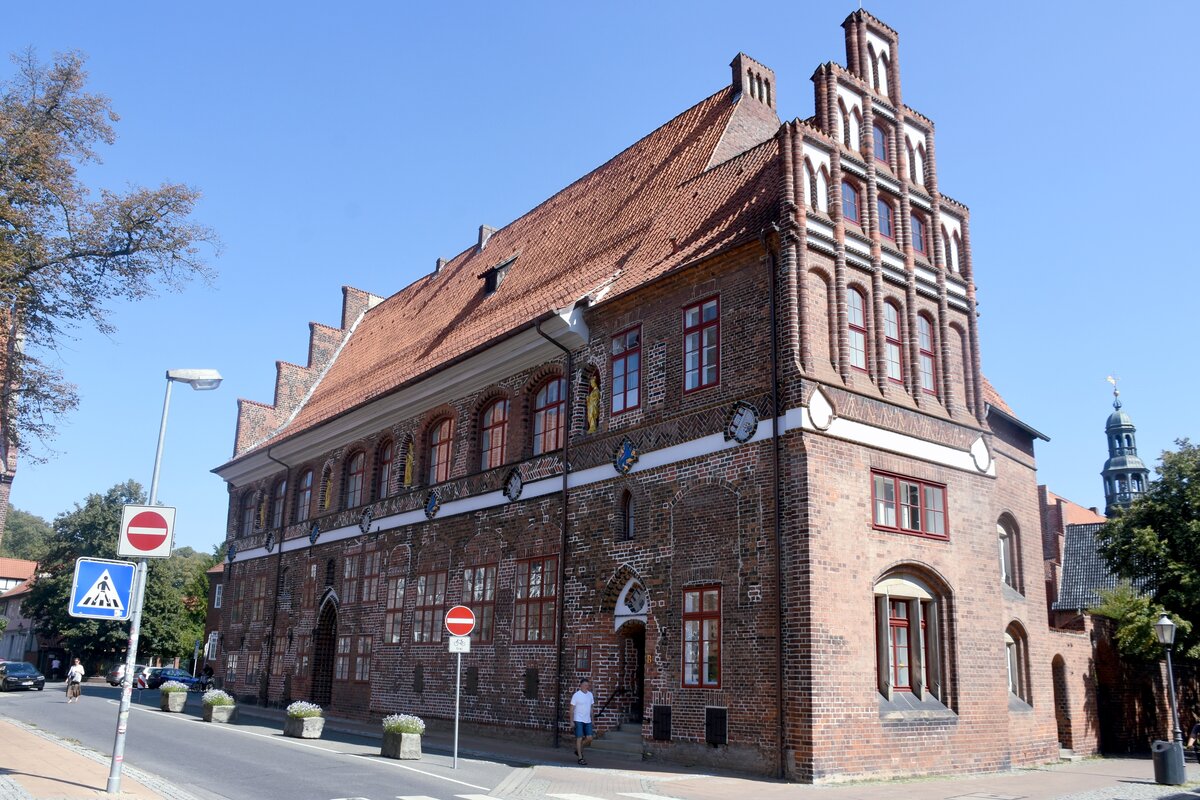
pixel 1164 629
pixel 200 380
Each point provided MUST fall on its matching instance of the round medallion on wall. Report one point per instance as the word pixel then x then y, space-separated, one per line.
pixel 433 504
pixel 269 542
pixel 231 553
pixel 364 521
pixel 514 484
pixel 743 423
pixel 627 455
pixel 981 455
pixel 314 533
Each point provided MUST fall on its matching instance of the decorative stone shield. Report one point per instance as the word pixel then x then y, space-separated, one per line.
pixel 514 484
pixel 627 455
pixel 433 504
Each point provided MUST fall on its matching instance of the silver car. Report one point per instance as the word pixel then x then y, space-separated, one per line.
pixel 116 673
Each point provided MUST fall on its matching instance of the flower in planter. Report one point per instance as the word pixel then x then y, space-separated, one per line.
pixel 170 687
pixel 216 697
pixel 403 723
pixel 302 709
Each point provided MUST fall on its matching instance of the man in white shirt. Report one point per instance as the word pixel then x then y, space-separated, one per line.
pixel 581 714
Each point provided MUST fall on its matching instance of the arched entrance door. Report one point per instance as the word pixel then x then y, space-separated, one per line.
pixel 1062 705
pixel 633 667
pixel 324 649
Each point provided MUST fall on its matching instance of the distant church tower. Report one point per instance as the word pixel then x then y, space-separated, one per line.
pixel 1125 475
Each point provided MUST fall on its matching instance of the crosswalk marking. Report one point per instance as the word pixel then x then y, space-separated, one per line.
pixel 414 797
pixel 475 797
pixel 574 797
pixel 643 796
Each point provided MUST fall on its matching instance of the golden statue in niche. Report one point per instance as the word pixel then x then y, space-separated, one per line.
pixel 408 466
pixel 593 405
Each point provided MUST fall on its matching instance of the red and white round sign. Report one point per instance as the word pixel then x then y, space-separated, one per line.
pixel 460 621
pixel 147 531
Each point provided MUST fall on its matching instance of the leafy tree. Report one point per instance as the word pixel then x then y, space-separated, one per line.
pixel 67 252
pixel 1156 542
pixel 1135 615
pixel 25 536
pixel 173 613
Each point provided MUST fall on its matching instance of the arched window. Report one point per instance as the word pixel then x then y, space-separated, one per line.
pixel 856 313
pixel 908 634
pixel 881 143
pixel 912 160
pixel 884 69
pixel 383 473
pixel 850 202
pixel 874 66
pixel 928 360
pixel 1137 484
pixel 810 185
pixel 856 129
pixel 887 218
pixel 822 201
pixel 354 479
pixel 493 434
pixel 1006 535
pixel 278 495
pixel 1128 442
pixel 440 449
pixel 919 177
pixel 304 496
pixel 956 253
pixel 548 417
pixel 845 115
pixel 891 336
pixel 246 515
pixel 1016 651
pixel 627 515
pixel 918 234
pixel 948 251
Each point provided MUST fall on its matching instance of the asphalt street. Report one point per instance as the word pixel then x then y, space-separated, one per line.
pixel 246 759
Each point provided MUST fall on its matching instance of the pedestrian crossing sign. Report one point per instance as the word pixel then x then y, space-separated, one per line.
pixel 102 589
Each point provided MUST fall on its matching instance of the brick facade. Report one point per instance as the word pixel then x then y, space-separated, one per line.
pixel 779 530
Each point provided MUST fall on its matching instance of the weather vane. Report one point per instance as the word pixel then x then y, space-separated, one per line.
pixel 1116 392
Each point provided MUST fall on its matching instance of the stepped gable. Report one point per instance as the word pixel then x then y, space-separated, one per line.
pixel 651 208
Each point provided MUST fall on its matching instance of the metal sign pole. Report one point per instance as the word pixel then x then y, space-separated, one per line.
pixel 457 689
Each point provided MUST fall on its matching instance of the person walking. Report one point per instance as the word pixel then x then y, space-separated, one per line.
pixel 581 714
pixel 55 667
pixel 74 682
pixel 1194 736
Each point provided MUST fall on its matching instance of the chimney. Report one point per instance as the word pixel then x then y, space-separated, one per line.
pixel 1094 510
pixel 485 233
pixel 441 262
pixel 752 79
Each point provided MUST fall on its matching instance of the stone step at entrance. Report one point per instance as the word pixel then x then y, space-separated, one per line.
pixel 1067 754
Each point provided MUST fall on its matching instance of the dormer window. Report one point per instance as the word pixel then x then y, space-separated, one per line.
pixel 494 276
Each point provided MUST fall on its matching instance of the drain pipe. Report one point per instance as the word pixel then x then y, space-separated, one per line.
pixel 562 556
pixel 779 690
pixel 265 684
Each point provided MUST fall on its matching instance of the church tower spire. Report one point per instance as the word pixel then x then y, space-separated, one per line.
pixel 1125 475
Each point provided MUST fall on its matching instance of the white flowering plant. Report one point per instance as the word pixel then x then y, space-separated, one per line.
pixel 216 697
pixel 302 709
pixel 170 687
pixel 403 723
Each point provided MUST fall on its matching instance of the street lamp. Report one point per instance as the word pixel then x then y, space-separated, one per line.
pixel 1164 630
pixel 200 380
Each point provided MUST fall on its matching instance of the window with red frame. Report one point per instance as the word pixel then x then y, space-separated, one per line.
pixel 856 314
pixel 537 599
pixel 850 202
pixel 304 496
pixel 383 475
pixel 891 342
pixel 918 234
pixel 479 594
pixel 881 143
pixel 549 419
pixel 246 515
pixel 341 665
pixel 370 575
pixel 258 601
pixel 354 479
pixel 393 618
pixel 278 496
pixel 583 658
pixel 887 219
pixel 899 643
pixel 702 345
pixel 626 370
pixel 350 582
pixel 909 505
pixel 926 355
pixel 362 660
pixel 429 611
pixel 493 434
pixel 702 637
pixel 441 444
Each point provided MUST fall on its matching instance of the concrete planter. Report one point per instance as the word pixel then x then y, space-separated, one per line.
pixel 304 727
pixel 219 713
pixel 172 701
pixel 401 745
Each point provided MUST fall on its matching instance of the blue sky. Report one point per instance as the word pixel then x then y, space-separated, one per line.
pixel 354 143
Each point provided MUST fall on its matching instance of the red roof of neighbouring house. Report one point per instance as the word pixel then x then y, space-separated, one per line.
pixel 17 568
pixel 21 588
pixel 654 207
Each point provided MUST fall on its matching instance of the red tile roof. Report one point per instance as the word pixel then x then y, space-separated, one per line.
pixel 21 588
pixel 652 208
pixel 1073 513
pixel 17 568
pixel 993 398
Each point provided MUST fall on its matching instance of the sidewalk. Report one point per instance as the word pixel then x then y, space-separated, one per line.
pixel 35 765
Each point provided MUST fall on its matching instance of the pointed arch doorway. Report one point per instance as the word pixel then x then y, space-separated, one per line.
pixel 632 636
pixel 324 649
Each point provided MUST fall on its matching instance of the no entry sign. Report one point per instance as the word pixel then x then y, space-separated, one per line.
pixel 146 532
pixel 460 621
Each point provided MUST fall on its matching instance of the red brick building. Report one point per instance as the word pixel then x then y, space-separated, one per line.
pixel 799 529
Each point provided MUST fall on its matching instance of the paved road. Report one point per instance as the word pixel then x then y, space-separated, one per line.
pixel 247 760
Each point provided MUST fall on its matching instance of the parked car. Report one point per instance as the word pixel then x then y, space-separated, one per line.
pixel 160 675
pixel 20 675
pixel 116 673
